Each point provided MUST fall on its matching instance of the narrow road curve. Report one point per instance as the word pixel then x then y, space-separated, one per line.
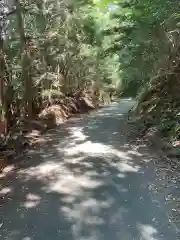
pixel 87 182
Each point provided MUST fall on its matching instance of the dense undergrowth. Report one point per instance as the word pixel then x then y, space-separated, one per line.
pixel 160 106
pixel 147 37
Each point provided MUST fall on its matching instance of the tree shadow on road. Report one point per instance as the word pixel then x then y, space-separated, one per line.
pixel 85 184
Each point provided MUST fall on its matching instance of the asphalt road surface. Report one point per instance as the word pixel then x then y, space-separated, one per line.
pixel 88 181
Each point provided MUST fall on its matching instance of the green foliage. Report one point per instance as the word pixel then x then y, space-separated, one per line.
pixel 145 35
pixel 65 46
pixel 166 125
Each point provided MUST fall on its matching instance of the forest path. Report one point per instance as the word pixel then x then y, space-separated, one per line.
pixel 88 181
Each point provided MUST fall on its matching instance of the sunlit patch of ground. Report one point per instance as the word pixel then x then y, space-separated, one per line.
pixel 147 232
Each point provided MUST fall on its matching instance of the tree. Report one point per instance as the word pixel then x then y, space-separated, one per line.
pixel 53 50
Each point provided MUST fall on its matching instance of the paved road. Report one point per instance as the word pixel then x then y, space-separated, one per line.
pixel 88 182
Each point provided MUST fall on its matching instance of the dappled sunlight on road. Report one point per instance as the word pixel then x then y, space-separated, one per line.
pixel 88 182
pixel 147 232
pixel 32 200
pixel 97 149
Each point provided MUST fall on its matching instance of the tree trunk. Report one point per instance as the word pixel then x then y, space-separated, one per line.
pixel 2 88
pixel 25 63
